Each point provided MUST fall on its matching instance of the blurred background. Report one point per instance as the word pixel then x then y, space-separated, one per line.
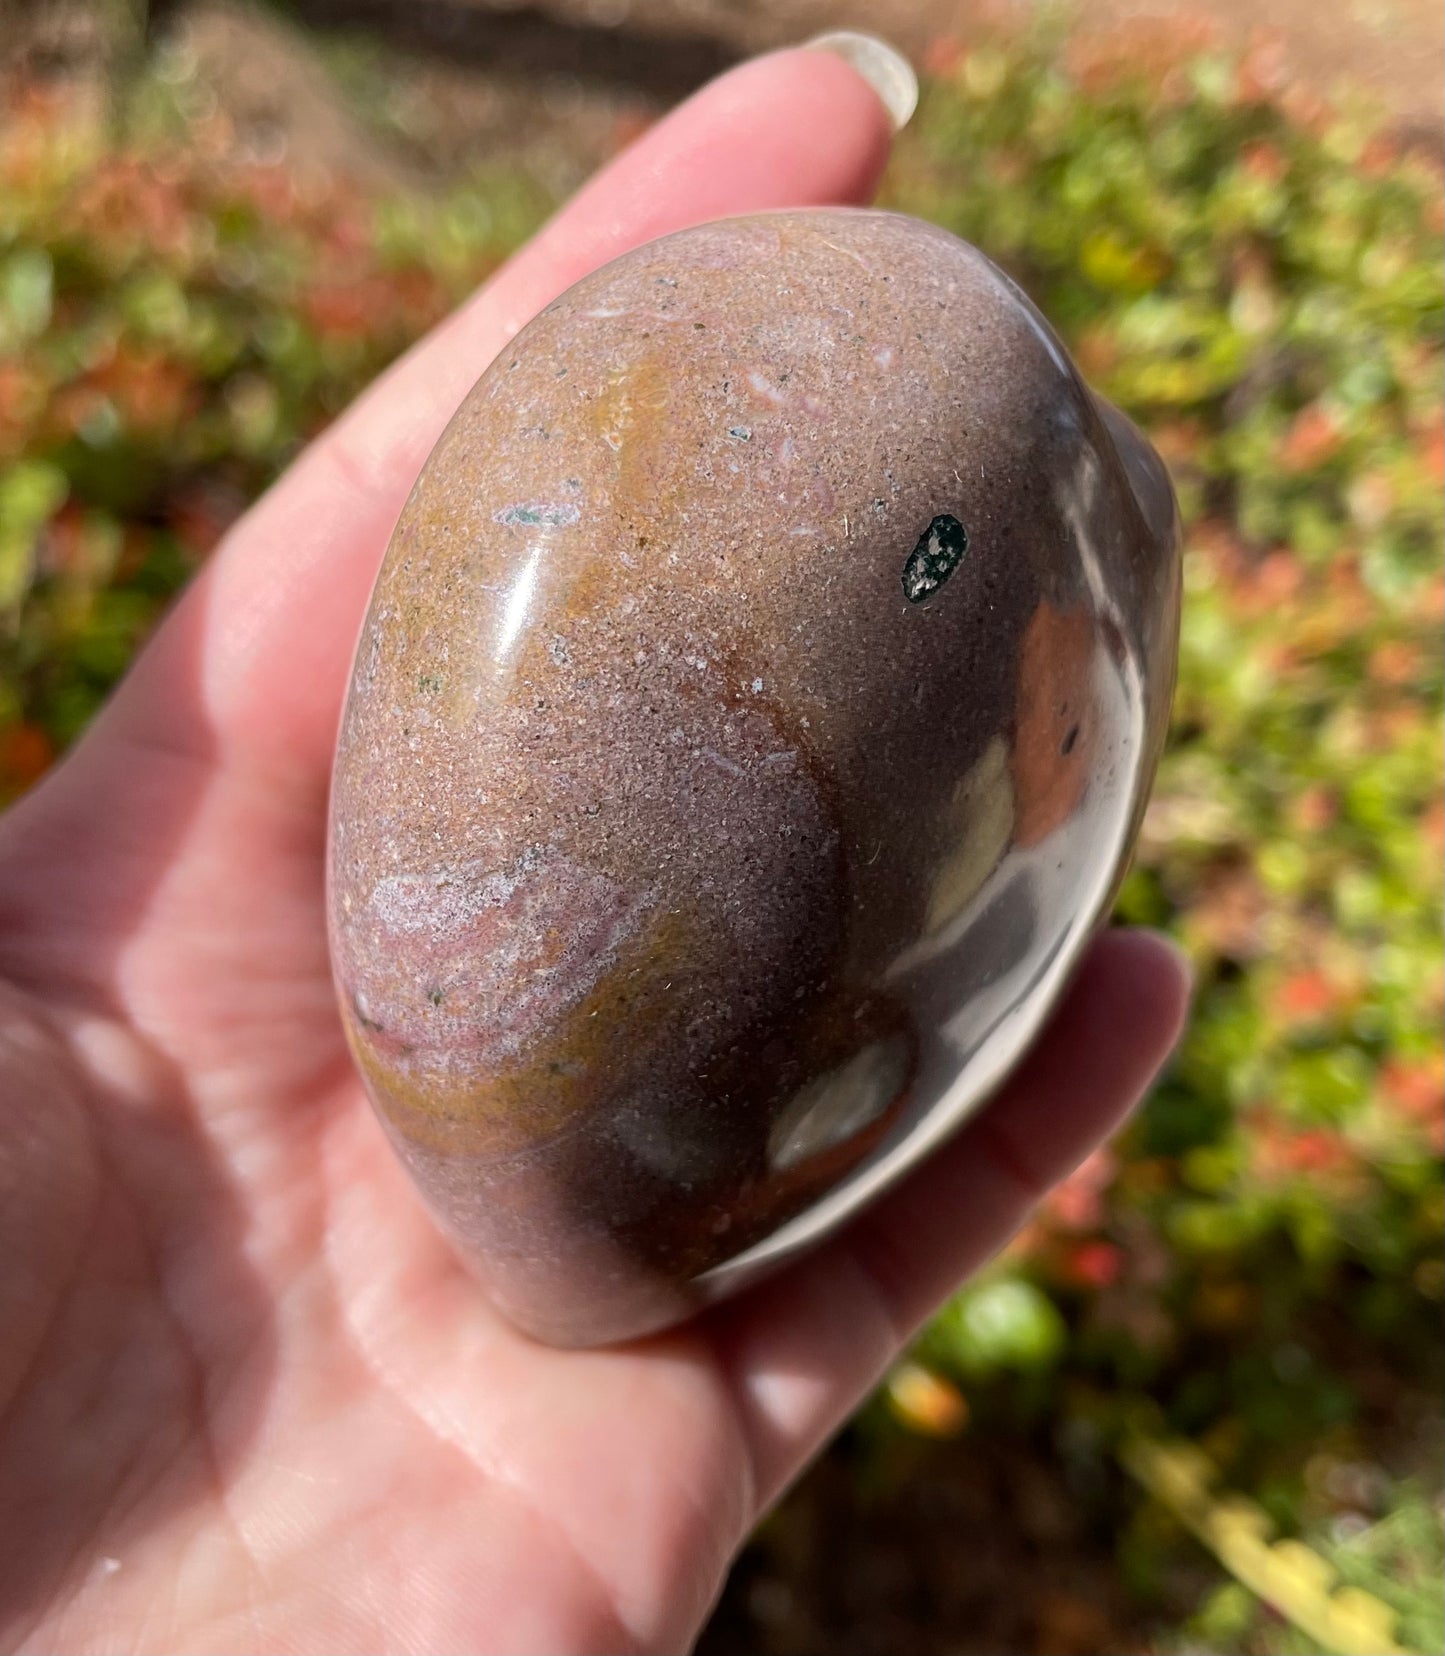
pixel 1197 1407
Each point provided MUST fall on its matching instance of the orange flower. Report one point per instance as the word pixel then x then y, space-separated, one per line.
pixel 1096 351
pixel 25 754
pixel 1415 1087
pixel 153 392
pixel 1280 1153
pixel 1179 441
pixel 1314 810
pixel 1271 583
pixel 1306 997
pixel 271 191
pixel 127 205
pixel 1264 162
pixel 1313 438
pixel 350 310
pixel 1432 449
pixel 1379 155
pixel 1347 586
pixel 1395 663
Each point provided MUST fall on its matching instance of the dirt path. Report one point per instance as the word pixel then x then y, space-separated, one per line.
pixel 402 92
pixel 556 85
pixel 1395 46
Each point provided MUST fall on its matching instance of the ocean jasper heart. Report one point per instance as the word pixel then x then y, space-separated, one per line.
pixel 750 726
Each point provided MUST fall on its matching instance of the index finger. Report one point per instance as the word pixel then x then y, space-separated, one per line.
pixel 273 619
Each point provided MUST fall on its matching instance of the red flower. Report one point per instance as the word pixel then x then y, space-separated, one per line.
pixel 1094 1264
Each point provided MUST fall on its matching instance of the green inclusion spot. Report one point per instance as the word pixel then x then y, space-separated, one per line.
pixel 939 552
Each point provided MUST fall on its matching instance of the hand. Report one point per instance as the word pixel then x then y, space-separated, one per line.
pixel 248 1399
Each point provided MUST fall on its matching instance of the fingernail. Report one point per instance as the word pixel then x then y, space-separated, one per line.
pixel 884 67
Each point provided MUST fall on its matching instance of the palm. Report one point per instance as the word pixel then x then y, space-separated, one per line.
pixel 248 1399
pixel 275 1392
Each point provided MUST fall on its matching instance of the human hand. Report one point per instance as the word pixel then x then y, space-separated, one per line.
pixel 248 1398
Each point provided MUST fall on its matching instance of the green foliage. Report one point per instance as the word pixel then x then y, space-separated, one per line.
pixel 174 325
pixel 1398 1559
pixel 1000 1326
pixel 1258 282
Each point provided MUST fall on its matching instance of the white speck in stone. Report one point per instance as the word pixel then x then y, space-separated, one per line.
pixel 722 764
pixel 539 514
pixel 757 687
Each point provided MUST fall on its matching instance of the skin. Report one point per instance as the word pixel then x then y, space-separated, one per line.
pixel 248 1399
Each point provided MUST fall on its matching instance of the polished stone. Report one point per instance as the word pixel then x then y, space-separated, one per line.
pixel 751 723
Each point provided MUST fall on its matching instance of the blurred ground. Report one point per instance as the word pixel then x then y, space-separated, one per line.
pixel 415 91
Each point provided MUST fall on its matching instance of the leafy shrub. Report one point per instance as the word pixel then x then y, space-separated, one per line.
pixel 174 325
pixel 1256 279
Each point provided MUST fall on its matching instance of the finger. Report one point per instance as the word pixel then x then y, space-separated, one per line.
pixel 805 1347
pixel 273 621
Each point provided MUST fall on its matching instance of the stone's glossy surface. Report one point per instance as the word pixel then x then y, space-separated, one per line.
pixel 751 722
